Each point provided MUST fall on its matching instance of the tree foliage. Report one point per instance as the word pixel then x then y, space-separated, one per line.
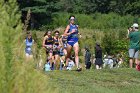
pixel 42 10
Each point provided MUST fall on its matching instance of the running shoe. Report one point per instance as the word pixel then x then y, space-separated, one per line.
pixel 79 69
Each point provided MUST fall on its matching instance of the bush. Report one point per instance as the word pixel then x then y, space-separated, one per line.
pixel 93 21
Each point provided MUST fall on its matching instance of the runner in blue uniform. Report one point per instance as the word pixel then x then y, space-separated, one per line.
pixel 29 43
pixel 72 41
pixel 63 41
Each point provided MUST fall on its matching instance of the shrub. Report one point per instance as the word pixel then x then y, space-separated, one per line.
pixel 93 21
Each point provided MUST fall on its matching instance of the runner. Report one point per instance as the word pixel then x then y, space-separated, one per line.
pixel 48 45
pixel 63 40
pixel 62 58
pixel 72 41
pixel 56 48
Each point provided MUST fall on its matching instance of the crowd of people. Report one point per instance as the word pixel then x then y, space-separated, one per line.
pixel 100 61
pixel 59 48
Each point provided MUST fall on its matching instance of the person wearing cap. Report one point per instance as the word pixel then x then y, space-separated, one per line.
pixel 134 46
pixel 72 41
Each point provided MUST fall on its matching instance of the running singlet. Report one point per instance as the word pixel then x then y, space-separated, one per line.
pixel 28 48
pixel 73 35
pixel 49 40
pixel 73 38
pixel 64 39
pixel 56 42
pixel 61 52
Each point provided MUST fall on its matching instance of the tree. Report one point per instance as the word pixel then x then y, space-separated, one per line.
pixel 41 10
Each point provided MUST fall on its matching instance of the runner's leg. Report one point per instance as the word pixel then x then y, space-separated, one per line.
pixel 76 50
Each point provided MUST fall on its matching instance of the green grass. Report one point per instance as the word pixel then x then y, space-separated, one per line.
pixel 28 79
pixel 95 81
pixel 17 75
pixel 23 77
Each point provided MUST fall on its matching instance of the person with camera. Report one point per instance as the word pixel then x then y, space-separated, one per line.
pixel 134 47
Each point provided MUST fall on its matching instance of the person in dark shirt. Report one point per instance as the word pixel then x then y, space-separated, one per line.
pixel 98 56
pixel 87 58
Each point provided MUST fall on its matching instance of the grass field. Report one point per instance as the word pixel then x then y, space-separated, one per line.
pixel 95 81
pixel 23 77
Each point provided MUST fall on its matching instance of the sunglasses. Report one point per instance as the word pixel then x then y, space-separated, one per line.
pixel 49 33
pixel 72 19
pixel 56 34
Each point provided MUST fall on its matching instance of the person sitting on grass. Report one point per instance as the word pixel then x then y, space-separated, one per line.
pixel 47 66
pixel 70 64
pixel 108 62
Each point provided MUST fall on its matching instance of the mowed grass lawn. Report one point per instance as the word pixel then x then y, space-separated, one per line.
pixel 95 81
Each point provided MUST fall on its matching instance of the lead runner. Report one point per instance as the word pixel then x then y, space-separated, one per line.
pixel 72 41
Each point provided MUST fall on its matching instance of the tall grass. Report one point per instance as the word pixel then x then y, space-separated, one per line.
pixel 16 74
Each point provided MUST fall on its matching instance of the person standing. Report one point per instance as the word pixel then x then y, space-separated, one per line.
pixel 98 56
pixel 134 46
pixel 29 43
pixel 87 58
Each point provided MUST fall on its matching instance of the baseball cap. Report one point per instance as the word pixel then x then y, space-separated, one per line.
pixel 135 25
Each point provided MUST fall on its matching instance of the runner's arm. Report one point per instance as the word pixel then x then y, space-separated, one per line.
pixel 60 44
pixel 128 32
pixel 66 30
pixel 43 44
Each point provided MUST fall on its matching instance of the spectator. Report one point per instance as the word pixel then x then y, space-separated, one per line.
pixel 108 61
pixel 134 47
pixel 98 56
pixel 29 44
pixel 47 65
pixel 87 58
pixel 70 64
